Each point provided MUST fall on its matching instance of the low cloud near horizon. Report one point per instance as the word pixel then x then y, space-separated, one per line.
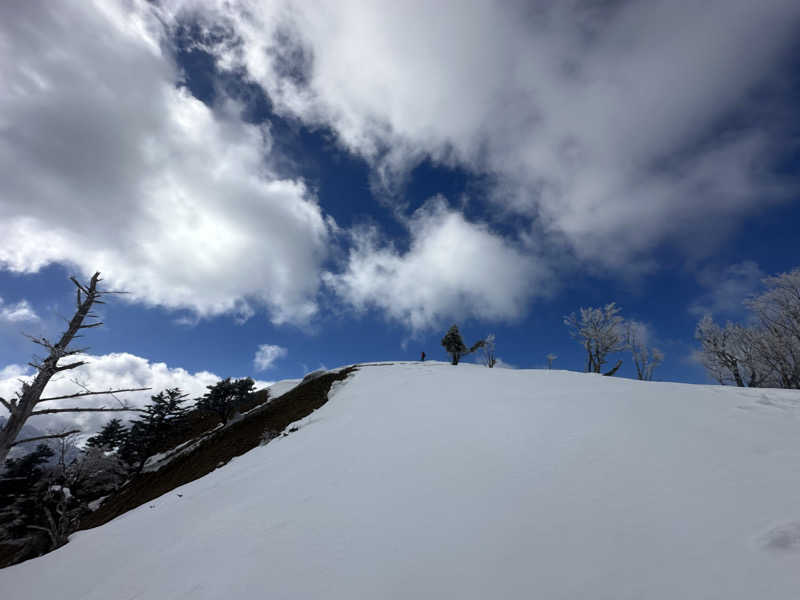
pixel 110 371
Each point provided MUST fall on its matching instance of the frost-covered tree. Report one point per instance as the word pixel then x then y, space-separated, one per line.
pixel 600 331
pixel 43 505
pixel 728 353
pixel 225 397
pixel 777 344
pixel 454 345
pixel 488 352
pixel 645 359
pixel 777 356
pixel 765 353
pixel 44 494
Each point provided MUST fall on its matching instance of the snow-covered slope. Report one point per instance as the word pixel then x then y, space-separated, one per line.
pixel 433 481
pixel 279 388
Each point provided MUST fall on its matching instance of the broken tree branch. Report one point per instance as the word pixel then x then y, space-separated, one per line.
pixel 80 285
pixel 50 411
pixel 90 393
pixel 45 437
pixel 74 365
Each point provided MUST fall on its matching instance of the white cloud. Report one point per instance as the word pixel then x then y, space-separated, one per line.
pixel 603 121
pixel 109 371
pixel 266 355
pixel 12 372
pixel 15 313
pixel 107 164
pixel 602 124
pixel 454 269
pixel 727 289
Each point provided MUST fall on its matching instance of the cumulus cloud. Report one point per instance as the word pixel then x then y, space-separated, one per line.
pixel 109 371
pixel 12 372
pixel 453 269
pixel 18 312
pixel 606 127
pixel 266 355
pixel 107 163
pixel 609 124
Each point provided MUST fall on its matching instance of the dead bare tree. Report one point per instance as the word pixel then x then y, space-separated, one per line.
pixel 29 397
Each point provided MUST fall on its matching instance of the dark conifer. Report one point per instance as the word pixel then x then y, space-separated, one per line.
pixel 454 345
pixel 110 437
pixel 226 397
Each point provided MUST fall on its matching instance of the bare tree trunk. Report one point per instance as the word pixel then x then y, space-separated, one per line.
pixel 21 408
pixel 737 376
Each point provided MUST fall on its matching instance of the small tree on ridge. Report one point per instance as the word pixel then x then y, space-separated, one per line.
pixel 600 331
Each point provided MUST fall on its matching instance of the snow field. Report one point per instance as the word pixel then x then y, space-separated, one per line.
pixel 431 481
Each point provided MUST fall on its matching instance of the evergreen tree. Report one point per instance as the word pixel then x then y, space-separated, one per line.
pixel 37 502
pixel 110 437
pixel 454 345
pixel 148 434
pixel 27 468
pixel 225 397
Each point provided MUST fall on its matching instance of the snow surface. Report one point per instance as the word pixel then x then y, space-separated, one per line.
pixel 433 481
pixel 279 388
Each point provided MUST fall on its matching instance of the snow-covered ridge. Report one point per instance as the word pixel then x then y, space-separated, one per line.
pixel 157 461
pixel 425 480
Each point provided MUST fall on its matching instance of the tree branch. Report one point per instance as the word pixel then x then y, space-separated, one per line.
pixel 45 437
pixel 80 285
pixel 50 411
pixel 6 403
pixel 74 365
pixel 89 393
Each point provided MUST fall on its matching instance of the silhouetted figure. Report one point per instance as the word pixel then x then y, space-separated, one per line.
pixel 422 358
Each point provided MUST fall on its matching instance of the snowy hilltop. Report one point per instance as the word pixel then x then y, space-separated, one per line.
pixel 426 480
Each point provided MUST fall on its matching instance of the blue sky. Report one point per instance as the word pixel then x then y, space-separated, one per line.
pixel 342 183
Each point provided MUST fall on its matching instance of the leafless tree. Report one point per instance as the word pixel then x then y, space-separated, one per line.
pixel 728 354
pixel 600 331
pixel 777 344
pixel 488 353
pixel 29 397
pixel 645 359
pixel 550 358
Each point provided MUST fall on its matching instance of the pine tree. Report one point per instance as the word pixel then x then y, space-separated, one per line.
pixel 28 467
pixel 147 435
pixel 454 345
pixel 110 437
pixel 225 397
